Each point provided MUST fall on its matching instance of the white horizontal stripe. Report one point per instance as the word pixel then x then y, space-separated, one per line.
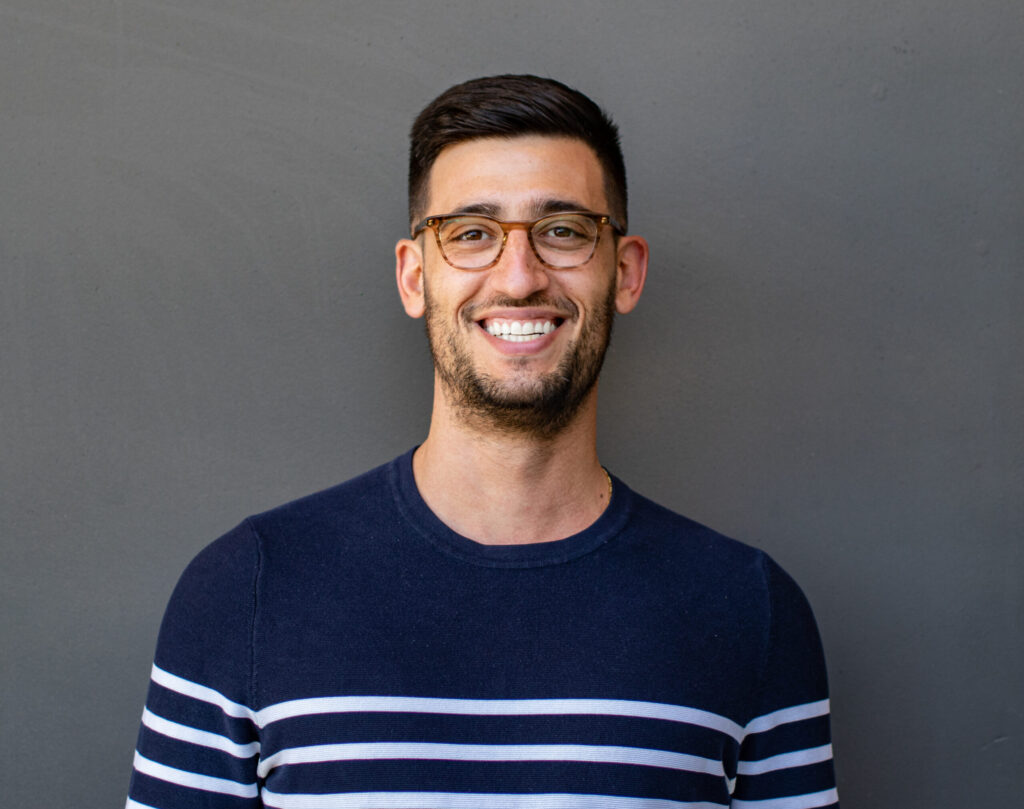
pixel 783 761
pixel 467 707
pixel 466 800
pixel 130 804
pixel 600 754
pixel 498 707
pixel 204 738
pixel 200 692
pixel 784 716
pixel 184 778
pixel 812 800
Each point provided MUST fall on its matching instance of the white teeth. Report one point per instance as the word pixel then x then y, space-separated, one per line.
pixel 519 331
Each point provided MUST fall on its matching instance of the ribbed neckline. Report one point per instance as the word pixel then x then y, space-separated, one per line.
pixel 537 554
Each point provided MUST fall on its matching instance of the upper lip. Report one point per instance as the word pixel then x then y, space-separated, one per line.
pixel 525 314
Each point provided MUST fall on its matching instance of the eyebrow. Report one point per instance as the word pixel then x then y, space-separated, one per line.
pixel 538 208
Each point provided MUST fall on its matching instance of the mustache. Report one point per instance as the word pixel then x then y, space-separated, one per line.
pixel 537 299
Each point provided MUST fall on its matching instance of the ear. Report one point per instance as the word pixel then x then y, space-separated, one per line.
pixel 409 275
pixel 631 272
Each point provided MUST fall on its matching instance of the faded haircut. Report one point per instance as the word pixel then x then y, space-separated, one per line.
pixel 510 106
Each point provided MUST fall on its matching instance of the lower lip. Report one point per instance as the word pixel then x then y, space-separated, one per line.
pixel 520 348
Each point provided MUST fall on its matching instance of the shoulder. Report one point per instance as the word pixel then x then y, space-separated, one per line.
pixel 680 540
pixel 328 517
pixel 730 574
pixel 233 561
pixel 366 491
pixel 216 598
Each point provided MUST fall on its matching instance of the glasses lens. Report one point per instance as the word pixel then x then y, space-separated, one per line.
pixel 565 240
pixel 470 241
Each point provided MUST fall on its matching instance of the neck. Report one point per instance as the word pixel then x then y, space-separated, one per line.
pixel 502 488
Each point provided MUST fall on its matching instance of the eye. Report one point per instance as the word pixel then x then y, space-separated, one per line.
pixel 469 232
pixel 562 231
pixel 469 235
pixel 565 232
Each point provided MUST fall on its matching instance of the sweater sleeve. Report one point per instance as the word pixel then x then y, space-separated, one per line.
pixel 198 744
pixel 785 758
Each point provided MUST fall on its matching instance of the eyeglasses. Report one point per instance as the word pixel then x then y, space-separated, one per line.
pixel 560 241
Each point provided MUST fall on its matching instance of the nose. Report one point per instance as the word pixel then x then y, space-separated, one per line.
pixel 518 272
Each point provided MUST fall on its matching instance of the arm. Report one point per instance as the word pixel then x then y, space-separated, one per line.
pixel 785 759
pixel 199 745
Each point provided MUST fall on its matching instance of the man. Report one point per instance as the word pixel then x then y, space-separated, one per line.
pixel 492 620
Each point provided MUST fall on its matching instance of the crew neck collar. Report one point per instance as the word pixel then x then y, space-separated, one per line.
pixel 536 554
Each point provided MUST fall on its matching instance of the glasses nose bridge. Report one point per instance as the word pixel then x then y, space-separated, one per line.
pixel 508 227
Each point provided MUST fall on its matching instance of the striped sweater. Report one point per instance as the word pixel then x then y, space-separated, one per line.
pixel 349 651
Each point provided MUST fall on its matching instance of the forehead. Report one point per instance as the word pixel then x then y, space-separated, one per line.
pixel 517 177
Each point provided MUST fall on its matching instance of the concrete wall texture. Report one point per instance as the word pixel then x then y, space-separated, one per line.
pixel 198 203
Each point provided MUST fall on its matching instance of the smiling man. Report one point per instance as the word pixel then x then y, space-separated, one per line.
pixel 492 620
pixel 525 316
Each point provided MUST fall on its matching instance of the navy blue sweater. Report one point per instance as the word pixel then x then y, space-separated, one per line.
pixel 349 650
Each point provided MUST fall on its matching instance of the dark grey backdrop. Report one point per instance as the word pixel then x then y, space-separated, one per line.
pixel 198 202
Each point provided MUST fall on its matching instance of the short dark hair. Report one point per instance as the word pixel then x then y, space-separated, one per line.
pixel 510 106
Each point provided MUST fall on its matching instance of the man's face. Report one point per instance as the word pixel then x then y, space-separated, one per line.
pixel 535 379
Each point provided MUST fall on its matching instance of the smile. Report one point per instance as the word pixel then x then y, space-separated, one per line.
pixel 519 331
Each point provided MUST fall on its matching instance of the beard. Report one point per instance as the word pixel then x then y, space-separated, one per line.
pixel 540 406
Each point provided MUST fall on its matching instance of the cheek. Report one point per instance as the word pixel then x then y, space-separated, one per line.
pixel 595 297
pixel 446 301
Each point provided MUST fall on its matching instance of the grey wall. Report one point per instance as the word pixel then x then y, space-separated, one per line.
pixel 198 203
